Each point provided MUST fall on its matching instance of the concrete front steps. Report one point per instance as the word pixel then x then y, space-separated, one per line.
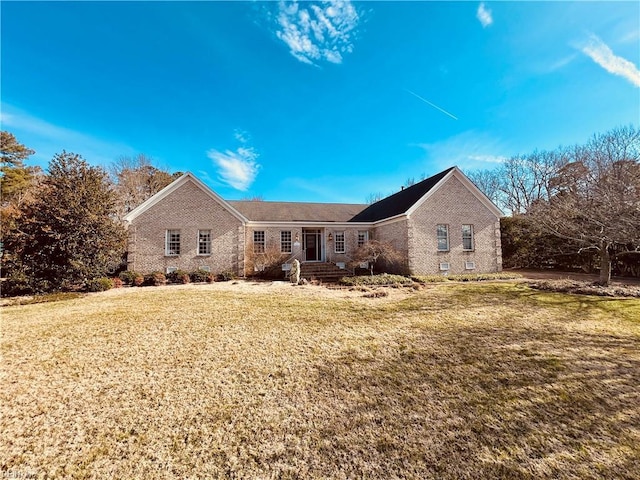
pixel 324 272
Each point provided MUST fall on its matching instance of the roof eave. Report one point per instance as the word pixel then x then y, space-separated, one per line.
pixel 173 186
pixel 456 172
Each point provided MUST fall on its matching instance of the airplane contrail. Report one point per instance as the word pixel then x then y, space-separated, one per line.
pixel 429 103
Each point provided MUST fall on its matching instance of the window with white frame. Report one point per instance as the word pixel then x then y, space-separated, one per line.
pixel 172 242
pixel 363 237
pixel 442 232
pixel 467 237
pixel 204 242
pixel 258 241
pixel 339 242
pixel 285 241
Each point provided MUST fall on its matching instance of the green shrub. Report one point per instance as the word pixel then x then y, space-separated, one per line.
pixel 479 277
pixel 16 285
pixel 179 277
pixel 128 276
pixel 99 284
pixel 429 278
pixel 199 276
pixel 382 279
pixel 155 279
pixel 225 277
pixel 465 277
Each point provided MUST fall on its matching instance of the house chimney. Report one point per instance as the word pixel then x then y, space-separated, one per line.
pixel 402 188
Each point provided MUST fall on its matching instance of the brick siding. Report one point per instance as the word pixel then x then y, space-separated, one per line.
pixel 454 205
pixel 187 209
pixel 190 209
pixel 272 241
pixel 396 234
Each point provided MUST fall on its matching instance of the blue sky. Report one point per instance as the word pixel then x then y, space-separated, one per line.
pixel 316 101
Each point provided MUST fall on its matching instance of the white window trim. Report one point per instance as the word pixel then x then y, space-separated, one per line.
pixel 445 266
pixel 469 265
pixel 200 254
pixel 343 241
pixel 290 241
pixel 438 238
pixel 167 252
pixel 472 238
pixel 263 243
pixel 366 237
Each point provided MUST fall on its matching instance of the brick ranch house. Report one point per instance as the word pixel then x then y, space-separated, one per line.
pixel 441 225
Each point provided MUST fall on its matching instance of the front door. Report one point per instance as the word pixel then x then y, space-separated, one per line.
pixel 311 245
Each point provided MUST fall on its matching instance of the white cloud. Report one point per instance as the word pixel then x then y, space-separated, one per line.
pixel 488 158
pixel 317 32
pixel 484 15
pixel 241 135
pixel 600 53
pixel 237 168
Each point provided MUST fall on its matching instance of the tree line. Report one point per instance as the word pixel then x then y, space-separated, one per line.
pixel 573 206
pixel 63 228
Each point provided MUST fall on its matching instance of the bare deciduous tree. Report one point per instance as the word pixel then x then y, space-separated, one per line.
pixel 374 251
pixel 520 180
pixel 488 181
pixel 136 180
pixel 374 197
pixel 595 198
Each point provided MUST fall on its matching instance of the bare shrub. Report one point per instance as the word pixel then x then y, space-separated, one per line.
pixel 267 264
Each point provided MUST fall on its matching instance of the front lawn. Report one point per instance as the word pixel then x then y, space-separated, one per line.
pixel 251 380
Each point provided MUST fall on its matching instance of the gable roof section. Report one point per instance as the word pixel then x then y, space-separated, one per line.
pixel 403 202
pixel 259 211
pixel 475 191
pixel 399 202
pixel 172 187
pixel 408 200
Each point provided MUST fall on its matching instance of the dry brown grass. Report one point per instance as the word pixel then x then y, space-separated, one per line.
pixel 272 381
pixel 586 288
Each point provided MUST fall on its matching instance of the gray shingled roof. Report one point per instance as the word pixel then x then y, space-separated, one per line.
pixel 388 207
pixel 259 211
pixel 399 202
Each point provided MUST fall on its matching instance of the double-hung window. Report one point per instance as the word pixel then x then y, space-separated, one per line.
pixel 363 237
pixel 258 241
pixel 204 242
pixel 467 237
pixel 172 243
pixel 442 232
pixel 285 241
pixel 339 242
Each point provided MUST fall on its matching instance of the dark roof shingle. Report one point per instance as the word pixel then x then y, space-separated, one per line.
pixel 399 202
pixel 396 204
pixel 259 211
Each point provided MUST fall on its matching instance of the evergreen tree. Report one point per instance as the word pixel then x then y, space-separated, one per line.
pixel 69 234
